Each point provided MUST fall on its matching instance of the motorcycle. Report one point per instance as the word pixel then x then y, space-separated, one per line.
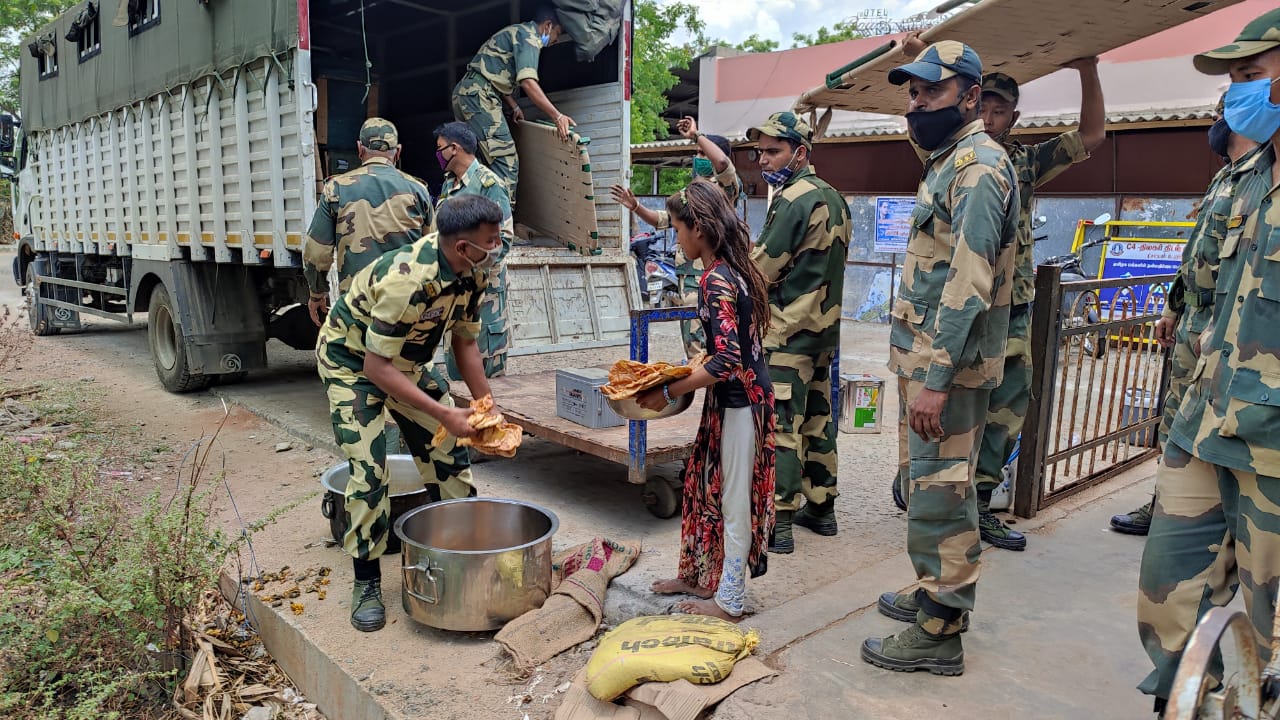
pixel 655 255
pixel 1083 310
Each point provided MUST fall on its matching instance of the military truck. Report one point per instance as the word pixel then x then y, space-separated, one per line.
pixel 170 153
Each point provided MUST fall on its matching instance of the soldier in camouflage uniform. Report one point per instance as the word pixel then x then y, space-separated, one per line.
pixel 506 61
pixel 713 160
pixel 801 252
pixel 465 175
pixel 1216 524
pixel 363 214
pixel 1035 166
pixel 1190 304
pixel 374 354
pixel 947 346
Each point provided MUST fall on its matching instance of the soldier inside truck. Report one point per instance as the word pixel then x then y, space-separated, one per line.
pixel 417 51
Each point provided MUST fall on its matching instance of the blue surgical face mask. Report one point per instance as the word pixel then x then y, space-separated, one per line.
pixel 1249 111
pixel 546 39
pixel 778 178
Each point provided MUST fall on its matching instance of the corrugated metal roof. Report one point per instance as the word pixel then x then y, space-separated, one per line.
pixel 1119 117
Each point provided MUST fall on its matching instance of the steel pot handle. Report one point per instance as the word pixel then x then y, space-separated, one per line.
pixel 425 568
pixel 326 506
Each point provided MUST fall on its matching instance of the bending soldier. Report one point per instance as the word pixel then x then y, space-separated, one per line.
pixel 375 353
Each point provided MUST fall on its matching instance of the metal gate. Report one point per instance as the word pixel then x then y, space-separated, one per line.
pixel 1098 384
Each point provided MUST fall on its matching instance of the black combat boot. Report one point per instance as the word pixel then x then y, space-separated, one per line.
pixel 820 518
pixel 1137 522
pixel 781 542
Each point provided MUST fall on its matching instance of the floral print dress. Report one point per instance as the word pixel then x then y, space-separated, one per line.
pixel 737 361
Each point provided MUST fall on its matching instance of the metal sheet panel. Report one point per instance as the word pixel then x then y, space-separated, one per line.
pixel 1048 35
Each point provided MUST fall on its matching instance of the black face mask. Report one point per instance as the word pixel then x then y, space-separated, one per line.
pixel 930 128
pixel 1219 136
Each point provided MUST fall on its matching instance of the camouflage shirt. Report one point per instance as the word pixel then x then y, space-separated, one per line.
pixel 801 252
pixel 400 307
pixel 1198 273
pixel 363 214
pixel 1034 166
pixel 951 317
pixel 1231 413
pixel 480 180
pixel 509 57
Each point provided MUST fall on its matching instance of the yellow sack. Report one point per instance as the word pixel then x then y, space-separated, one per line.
pixel 663 648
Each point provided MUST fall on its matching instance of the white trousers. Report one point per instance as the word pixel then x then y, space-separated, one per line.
pixel 737 460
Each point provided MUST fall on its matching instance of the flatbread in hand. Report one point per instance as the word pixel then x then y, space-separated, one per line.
pixel 494 435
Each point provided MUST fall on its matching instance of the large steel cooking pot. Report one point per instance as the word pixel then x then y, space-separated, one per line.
pixel 475 563
pixel 407 493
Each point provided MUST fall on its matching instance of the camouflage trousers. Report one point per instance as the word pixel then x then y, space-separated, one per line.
pixel 495 328
pixel 478 104
pixel 1182 362
pixel 942 516
pixel 357 408
pixel 691 330
pixel 1007 411
pixel 1213 530
pixel 806 459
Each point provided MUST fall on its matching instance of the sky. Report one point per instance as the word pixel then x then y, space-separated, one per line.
pixel 735 20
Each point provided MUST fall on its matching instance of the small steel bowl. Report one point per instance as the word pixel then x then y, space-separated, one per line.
pixel 631 410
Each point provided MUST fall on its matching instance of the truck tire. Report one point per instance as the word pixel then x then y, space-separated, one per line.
pixel 168 352
pixel 38 314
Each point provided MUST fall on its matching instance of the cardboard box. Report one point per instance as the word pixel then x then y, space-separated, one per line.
pixel 579 399
pixel 860 397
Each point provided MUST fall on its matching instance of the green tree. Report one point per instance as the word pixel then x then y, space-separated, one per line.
pixel 756 44
pixel 670 179
pixel 654 56
pixel 18 20
pixel 846 29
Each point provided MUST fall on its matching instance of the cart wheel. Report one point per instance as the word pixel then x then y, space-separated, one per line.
pixel 661 497
pixel 1241 695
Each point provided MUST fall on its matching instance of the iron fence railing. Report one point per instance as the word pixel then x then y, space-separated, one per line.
pixel 1098 384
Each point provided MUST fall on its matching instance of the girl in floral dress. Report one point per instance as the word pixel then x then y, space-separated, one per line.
pixel 728 482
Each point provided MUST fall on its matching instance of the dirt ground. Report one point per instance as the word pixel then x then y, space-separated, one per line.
pixel 413 670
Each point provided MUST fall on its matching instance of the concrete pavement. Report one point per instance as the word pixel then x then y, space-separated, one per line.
pixel 1053 634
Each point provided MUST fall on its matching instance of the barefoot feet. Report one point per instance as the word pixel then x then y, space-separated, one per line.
pixel 679 587
pixel 705 607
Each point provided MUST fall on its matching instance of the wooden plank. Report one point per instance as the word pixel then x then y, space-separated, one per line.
pixel 1048 35
pixel 530 401
pixel 555 196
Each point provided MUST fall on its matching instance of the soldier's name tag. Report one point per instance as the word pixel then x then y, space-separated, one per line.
pixel 433 314
pixel 1235 221
pixel 966 158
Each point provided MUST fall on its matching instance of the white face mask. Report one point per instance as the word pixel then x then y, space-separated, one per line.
pixel 491 256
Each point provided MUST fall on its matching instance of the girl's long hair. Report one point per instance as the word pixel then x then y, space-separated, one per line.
pixel 704 205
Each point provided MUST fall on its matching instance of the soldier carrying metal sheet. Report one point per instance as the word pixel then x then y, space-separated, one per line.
pixel 508 60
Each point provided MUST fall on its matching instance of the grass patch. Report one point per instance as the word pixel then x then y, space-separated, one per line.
pixel 98 577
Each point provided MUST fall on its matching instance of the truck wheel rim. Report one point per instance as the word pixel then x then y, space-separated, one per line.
pixel 166 339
